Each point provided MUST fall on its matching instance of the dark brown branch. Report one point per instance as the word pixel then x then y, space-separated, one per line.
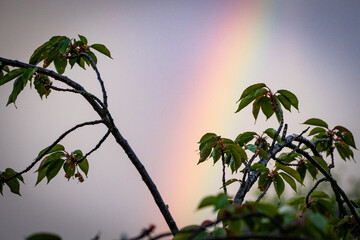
pixel 79 92
pixel 109 122
pixel 223 171
pixel 334 185
pixel 62 136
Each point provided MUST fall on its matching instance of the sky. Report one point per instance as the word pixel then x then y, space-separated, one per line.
pixel 178 69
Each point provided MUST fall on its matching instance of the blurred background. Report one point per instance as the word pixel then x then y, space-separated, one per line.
pixel 178 69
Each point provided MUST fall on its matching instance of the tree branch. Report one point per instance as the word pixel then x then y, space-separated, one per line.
pixel 109 122
pixel 62 136
pixel 98 76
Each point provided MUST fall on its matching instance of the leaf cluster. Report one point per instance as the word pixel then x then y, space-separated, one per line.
pixel 57 158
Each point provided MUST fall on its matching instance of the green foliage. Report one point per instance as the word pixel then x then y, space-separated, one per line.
pixel 43 236
pixel 7 177
pixel 269 103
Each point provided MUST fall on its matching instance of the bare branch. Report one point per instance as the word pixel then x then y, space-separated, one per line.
pixel 312 190
pixel 223 171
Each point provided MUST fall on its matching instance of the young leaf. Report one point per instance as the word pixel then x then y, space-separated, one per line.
pixel 263 153
pixel 317 130
pixel 256 106
pixel 102 49
pixel 17 88
pixel 84 166
pixel 54 168
pixel 238 152
pixel 321 162
pixel 83 39
pixel 251 97
pixel 29 72
pixel 279 185
pixel 38 54
pixel 41 174
pixel 230 181
pixel 285 102
pixel 50 159
pixel 64 45
pixel 291 97
pixel 60 64
pixel 289 180
pixel 267 108
pixel 251 88
pixel 316 122
pixel 292 172
pixel 258 167
pixel 244 138
pixel 56 148
pixel 93 56
pixel 207 137
pixel 271 133
pixel 14 186
pixel 345 135
pixel 216 153
pixel 11 75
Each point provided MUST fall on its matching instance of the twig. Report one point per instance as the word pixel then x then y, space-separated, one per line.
pixel 95 148
pixel 284 131
pixel 264 192
pixel 334 185
pixel 62 136
pixel 223 171
pixel 98 77
pixel 312 190
pixel 79 92
pixel 109 122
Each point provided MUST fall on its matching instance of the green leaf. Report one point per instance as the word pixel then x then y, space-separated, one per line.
pixel 285 102
pixel 321 162
pixel 1 188
pixel 102 49
pixel 72 62
pixel 230 181
pixel 216 153
pixel 302 172
pixel 41 84
pixel 237 152
pixel 292 172
pixel 17 88
pixel 43 236
pixel 289 180
pixel 345 135
pixel 251 147
pixel 343 150
pixel 244 138
pixel 38 54
pixel 54 169
pixel 60 64
pixel 41 174
pixel 64 45
pixel 251 97
pixel 271 133
pixel 279 185
pixel 56 148
pixel 92 55
pixel 219 233
pixel 80 62
pixel 84 166
pixel 29 72
pixel 256 106
pixel 83 39
pixel 69 169
pixel 54 40
pixel 218 201
pixel 316 122
pixel 13 184
pixel 207 137
pixel 290 97
pixel 49 159
pixel 263 153
pixel 258 167
pixel 251 88
pixel 11 75
pixel 317 130
pixel 267 108
pixel 312 169
pixel 319 221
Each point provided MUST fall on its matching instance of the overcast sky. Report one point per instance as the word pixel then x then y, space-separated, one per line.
pixel 178 68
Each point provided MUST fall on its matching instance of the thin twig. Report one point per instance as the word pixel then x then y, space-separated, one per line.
pixel 79 92
pixel 95 148
pixel 312 190
pixel 98 77
pixel 62 136
pixel 223 171
pixel 264 192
